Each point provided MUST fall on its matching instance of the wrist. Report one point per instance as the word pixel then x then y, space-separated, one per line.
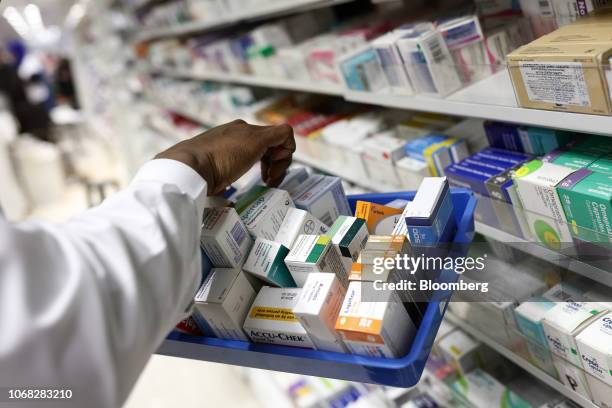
pixel 201 165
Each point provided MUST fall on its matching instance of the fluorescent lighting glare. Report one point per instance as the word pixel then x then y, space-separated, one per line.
pixel 33 17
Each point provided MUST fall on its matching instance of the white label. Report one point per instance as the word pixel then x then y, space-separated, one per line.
pixel 561 83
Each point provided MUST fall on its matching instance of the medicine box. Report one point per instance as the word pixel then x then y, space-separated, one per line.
pixel 271 319
pixel 586 197
pixel 298 222
pixel 224 238
pixel 223 301
pixel 461 351
pixel 601 393
pixel 595 347
pixel 602 165
pixel 484 391
pixel 323 197
pixel 317 310
pixel 262 209
pixel 293 179
pixel 361 70
pixel 574 159
pixel 541 357
pixel 573 377
pixel 536 183
pixel 313 253
pixel 380 153
pixel 266 261
pixel 392 64
pixel 348 237
pixel 380 219
pixel 429 217
pixel 377 329
pixel 410 172
pixel 564 322
pixel 529 316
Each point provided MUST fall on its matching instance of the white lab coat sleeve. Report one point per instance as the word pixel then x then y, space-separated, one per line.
pixel 83 304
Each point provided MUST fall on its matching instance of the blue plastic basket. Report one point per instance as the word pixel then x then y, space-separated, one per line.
pixel 399 372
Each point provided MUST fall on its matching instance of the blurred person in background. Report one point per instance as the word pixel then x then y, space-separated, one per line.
pixel 84 303
pixel 64 83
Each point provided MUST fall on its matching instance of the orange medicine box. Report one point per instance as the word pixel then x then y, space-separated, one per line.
pixel 376 329
pixel 380 219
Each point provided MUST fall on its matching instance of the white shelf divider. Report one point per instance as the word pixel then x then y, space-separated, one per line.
pixel 521 362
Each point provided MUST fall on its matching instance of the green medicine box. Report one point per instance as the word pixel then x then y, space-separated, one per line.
pixel 602 165
pixel 573 159
pixel 586 197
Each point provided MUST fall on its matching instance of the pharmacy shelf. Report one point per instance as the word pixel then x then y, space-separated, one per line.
pixel 521 362
pixel 491 98
pixel 251 80
pixel 269 10
pixel 588 270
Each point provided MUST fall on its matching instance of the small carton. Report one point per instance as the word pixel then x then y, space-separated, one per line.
pixel 323 197
pixel 574 378
pixel 271 319
pixel 536 183
pixel 293 179
pixel 375 329
pixel 586 197
pixel 313 253
pixel 461 351
pixel 224 239
pixel 298 222
pixel 361 70
pixel 602 165
pixel 430 217
pixel 317 310
pixel 262 209
pixel 574 159
pixel 411 172
pixel 266 261
pixel 484 391
pixel 541 357
pixel 437 151
pixel 223 301
pixel 601 393
pixel 380 219
pixel 348 237
pixel 392 64
pixel 564 322
pixel 595 347
pixel 380 153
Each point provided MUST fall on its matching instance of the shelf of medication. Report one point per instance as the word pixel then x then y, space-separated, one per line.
pixel 520 361
pixel 491 98
pixel 270 9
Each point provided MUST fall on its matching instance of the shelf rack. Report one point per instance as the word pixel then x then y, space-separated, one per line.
pixel 521 362
pixel 269 10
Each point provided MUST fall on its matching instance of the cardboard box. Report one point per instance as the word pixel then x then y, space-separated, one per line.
pixel 380 153
pixel 375 329
pixel 317 310
pixel 298 222
pixel 484 391
pixel 348 237
pixel 271 319
pixel 461 351
pixel 411 172
pixel 430 217
pixel 572 377
pixel 570 158
pixel 541 357
pixel 586 197
pixel 263 209
pixel 595 347
pixel 536 183
pixel 437 151
pixel 380 219
pixel 392 64
pixel 567 11
pixel 564 322
pixel 602 165
pixel 601 393
pixel 223 301
pixel 323 197
pixel 224 238
pixel 313 253
pixel 266 261
pixel 293 179
pixel 361 70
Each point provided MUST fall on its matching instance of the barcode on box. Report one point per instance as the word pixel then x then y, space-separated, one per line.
pixel 327 219
pixel 545 8
pixel 436 50
pixel 238 233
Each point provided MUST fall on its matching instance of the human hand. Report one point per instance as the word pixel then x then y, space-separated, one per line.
pixel 223 154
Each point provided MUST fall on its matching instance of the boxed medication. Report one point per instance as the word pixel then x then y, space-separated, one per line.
pixel 567 11
pixel 541 357
pixel 361 70
pixel 564 322
pixel 224 239
pixel 223 301
pixel 428 62
pixel 313 253
pixel 411 172
pixel 323 197
pixel 536 183
pixel 601 393
pixel 380 153
pixel 484 391
pixel 430 217
pixel 375 329
pixel 570 158
pixel 380 219
pixel 392 64
pixel 271 319
pixel 263 209
pixel 595 348
pixel 266 261
pixel 602 165
pixel 293 179
pixel 317 310
pixel 586 197
pixel 298 222
pixel 348 237
pixel 461 351
pixel 572 377
pixel 438 151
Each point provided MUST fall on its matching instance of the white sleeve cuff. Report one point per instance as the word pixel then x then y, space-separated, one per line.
pixel 176 173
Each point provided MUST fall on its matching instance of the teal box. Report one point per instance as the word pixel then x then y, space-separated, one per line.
pixel 545 140
pixel 529 316
pixel 602 165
